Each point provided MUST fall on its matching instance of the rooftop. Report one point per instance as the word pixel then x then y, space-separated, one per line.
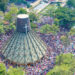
pixel 25 48
pixel 22 16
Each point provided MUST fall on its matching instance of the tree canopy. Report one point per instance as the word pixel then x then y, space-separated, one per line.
pixel 66 17
pixel 22 11
pixel 11 70
pixel 2 69
pixel 65 65
pixel 3 5
pixel 72 31
pixel 71 3
pixel 49 29
pixel 1 30
pixel 33 16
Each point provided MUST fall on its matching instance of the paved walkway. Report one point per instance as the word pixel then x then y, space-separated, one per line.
pixel 35 3
pixel 40 7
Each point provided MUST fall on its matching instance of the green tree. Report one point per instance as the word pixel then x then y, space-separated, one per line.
pixel 33 17
pixel 8 17
pixel 17 1
pixel 1 30
pixel 56 21
pixel 9 28
pixel 1 13
pixel 60 70
pixel 14 8
pixel 1 16
pixel 11 70
pixel 45 29
pixel 49 29
pixel 22 11
pixel 65 59
pixel 66 17
pixel 54 29
pixel 15 71
pixel 33 25
pixel 71 3
pixel 11 16
pixel 3 5
pixel 12 27
pixel 65 65
pixel 65 40
pixel 2 69
pixel 72 31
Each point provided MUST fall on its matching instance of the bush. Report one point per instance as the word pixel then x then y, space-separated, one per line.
pixel 1 30
pixel 65 65
pixel 22 11
pixel 2 69
pixel 12 27
pixel 33 25
pixel 33 17
pixel 49 29
pixel 11 70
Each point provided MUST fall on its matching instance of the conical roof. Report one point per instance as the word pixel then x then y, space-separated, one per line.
pixel 25 48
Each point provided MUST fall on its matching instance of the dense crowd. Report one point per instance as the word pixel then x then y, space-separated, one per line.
pixel 55 47
pixel 3 40
pixel 56 44
pixel 39 68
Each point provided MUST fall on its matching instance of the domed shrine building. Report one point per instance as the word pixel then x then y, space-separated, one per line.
pixel 25 46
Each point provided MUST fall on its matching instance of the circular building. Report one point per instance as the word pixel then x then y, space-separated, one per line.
pixel 25 46
pixel 23 23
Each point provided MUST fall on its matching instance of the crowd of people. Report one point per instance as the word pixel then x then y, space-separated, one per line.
pixel 54 48
pixel 3 40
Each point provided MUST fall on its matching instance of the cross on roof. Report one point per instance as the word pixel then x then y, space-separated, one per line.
pixel 26 27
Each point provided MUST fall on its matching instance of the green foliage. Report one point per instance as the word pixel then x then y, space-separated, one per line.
pixel 1 13
pixel 15 71
pixel 65 65
pixel 28 4
pixel 12 8
pixel 22 11
pixel 11 27
pixel 71 3
pixel 66 17
pixel 33 25
pixel 33 17
pixel 61 70
pixel 64 59
pixel 11 70
pixel 17 1
pixel 45 29
pixel 54 29
pixel 1 29
pixel 49 29
pixel 65 40
pixel 2 69
pixel 3 5
pixel 56 21
pixel 72 32
pixel 8 17
pixel 7 28
pixel 1 16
